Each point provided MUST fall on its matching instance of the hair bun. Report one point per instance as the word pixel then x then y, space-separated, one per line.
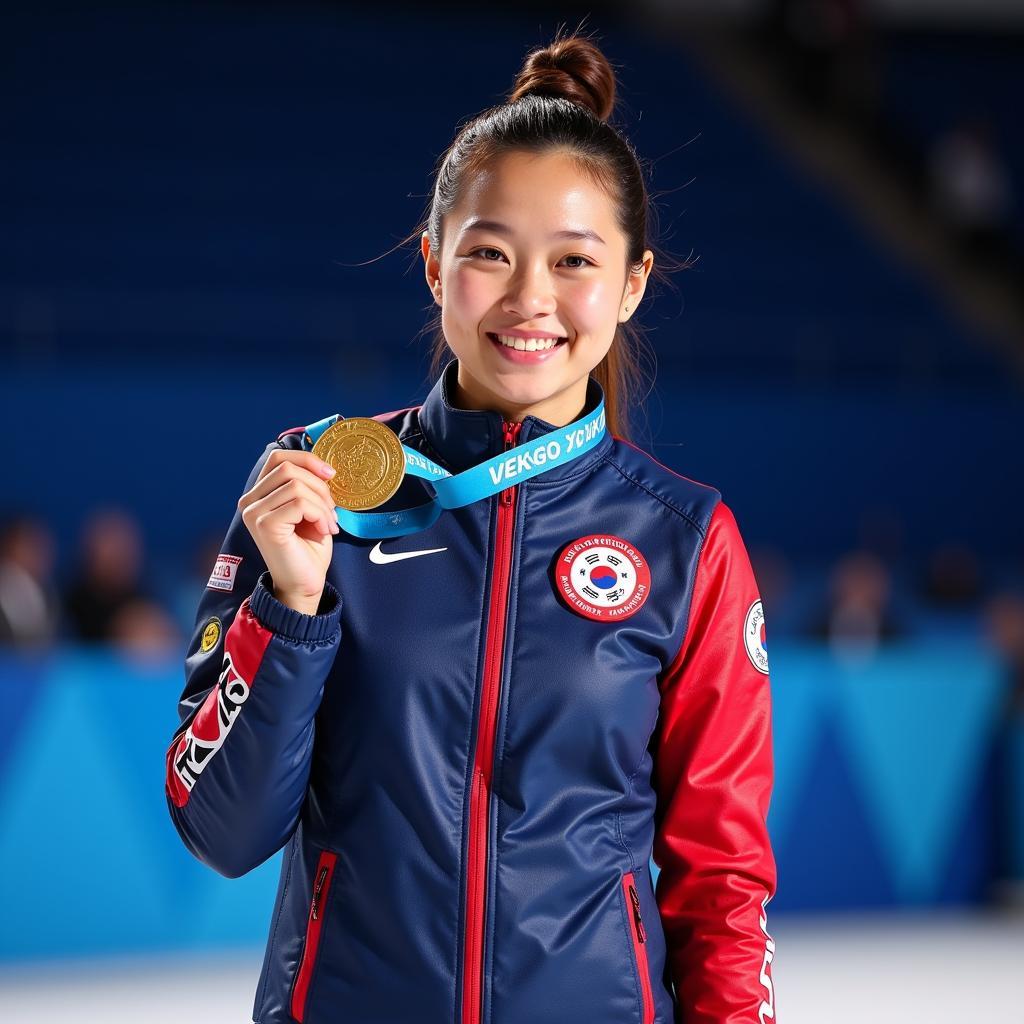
pixel 573 68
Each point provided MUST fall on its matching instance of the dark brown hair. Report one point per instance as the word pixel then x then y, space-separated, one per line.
pixel 562 98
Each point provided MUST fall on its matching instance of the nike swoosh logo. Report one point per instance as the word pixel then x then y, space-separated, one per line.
pixel 381 558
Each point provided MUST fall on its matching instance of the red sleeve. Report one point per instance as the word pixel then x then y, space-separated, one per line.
pixel 713 775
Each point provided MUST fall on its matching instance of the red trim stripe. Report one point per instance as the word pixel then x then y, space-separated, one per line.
pixel 639 937
pixel 314 925
pixel 476 872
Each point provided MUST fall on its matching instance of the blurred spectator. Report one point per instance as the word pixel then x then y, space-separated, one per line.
pixel 144 630
pixel 858 617
pixel 952 578
pixel 107 577
pixel 29 604
pixel 1004 626
pixel 970 188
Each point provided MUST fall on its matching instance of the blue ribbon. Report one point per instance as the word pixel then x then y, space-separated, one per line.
pixel 537 456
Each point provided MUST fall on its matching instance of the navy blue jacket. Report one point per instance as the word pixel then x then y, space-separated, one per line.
pixel 470 754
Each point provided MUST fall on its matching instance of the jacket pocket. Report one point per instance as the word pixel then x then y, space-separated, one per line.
pixel 638 938
pixel 314 924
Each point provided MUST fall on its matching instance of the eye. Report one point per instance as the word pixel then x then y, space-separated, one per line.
pixel 574 256
pixel 486 248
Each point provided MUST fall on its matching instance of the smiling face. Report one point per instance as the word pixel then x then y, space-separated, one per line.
pixel 532 249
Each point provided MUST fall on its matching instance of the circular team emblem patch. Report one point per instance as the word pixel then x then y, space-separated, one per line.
pixel 211 634
pixel 754 638
pixel 603 577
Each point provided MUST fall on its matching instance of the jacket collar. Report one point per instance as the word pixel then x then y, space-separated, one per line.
pixel 466 437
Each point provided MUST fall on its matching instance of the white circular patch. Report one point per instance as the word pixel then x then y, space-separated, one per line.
pixel 754 639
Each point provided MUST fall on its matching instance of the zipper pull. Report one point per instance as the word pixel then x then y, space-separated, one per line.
pixel 316 893
pixel 511 433
pixel 635 899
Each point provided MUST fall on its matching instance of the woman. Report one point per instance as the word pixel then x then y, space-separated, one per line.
pixel 472 734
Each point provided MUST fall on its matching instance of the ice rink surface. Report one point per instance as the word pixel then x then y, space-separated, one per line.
pixel 944 968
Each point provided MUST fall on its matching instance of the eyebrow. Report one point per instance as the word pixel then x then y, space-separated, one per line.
pixel 477 224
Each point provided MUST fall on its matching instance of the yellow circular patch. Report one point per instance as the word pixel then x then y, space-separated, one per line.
pixel 211 634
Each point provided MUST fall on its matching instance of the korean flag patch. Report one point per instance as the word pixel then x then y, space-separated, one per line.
pixel 602 577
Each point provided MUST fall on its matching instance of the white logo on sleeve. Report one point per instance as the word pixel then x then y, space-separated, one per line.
pixel 766 1011
pixel 212 722
pixel 754 639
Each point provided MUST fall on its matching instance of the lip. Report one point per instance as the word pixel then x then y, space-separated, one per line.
pixel 515 356
pixel 515 333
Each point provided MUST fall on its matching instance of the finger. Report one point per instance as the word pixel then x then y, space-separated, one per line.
pixel 318 490
pixel 286 470
pixel 299 509
pixel 296 486
pixel 304 459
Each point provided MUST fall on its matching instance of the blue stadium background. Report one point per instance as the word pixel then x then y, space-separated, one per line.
pixel 197 204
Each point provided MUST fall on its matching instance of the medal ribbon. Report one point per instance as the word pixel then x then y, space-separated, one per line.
pixel 559 446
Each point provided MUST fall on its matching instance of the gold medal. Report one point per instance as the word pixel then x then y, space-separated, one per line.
pixel 368 458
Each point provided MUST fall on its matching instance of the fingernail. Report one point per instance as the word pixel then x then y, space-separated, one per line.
pixel 326 469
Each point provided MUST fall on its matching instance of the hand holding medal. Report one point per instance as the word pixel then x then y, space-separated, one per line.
pixel 289 511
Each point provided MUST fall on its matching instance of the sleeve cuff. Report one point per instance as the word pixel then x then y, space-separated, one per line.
pixel 295 625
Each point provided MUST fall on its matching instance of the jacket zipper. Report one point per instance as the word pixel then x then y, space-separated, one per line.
pixel 476 875
pixel 639 937
pixel 321 886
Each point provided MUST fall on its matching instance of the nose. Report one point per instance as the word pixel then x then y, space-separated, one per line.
pixel 530 293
